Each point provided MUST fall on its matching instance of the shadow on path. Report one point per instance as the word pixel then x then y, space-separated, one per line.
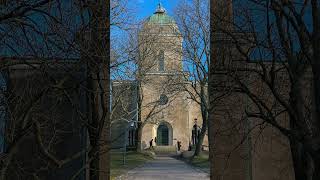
pixel 165 168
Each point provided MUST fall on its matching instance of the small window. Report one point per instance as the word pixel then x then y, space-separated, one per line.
pixel 163 100
pixel 161 60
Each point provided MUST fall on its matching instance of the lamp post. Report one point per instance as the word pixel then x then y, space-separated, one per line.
pixel 125 135
pixel 132 125
pixel 195 132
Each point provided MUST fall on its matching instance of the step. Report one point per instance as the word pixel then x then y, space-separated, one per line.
pixel 165 149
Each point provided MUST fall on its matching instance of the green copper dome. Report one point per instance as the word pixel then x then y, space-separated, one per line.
pixel 160 16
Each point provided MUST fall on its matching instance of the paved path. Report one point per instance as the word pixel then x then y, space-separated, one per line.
pixel 166 168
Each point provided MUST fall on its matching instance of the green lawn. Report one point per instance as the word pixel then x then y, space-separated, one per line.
pixel 201 161
pixel 133 159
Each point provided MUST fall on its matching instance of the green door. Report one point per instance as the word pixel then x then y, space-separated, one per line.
pixel 162 135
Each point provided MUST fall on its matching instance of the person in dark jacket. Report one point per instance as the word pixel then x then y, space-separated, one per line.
pixel 150 143
pixel 179 145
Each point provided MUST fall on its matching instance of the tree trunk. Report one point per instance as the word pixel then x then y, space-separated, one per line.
pixel 301 151
pixel 306 166
pixel 316 104
pixel 315 118
pixel 316 171
pixel 93 112
pixel 138 139
pixel 299 160
pixel 200 141
pixel 94 164
pixel 211 138
pixel 99 70
pixel 204 114
pixel 315 59
pixel 138 136
pixel 316 96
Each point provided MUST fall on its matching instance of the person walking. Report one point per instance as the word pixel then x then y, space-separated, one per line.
pixel 150 143
pixel 179 145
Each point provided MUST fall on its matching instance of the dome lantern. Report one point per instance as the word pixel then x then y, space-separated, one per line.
pixel 160 8
pixel 160 16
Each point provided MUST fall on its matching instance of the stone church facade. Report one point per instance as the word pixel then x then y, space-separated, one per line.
pixel 168 115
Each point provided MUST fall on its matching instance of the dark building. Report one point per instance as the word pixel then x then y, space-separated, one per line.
pixel 43 105
pixel 124 114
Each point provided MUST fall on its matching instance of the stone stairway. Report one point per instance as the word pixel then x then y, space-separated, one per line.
pixel 165 150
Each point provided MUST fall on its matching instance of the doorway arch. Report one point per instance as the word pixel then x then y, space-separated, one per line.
pixel 164 134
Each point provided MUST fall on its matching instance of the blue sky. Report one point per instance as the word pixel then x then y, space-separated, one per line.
pixel 138 10
pixel 145 8
pixel 141 9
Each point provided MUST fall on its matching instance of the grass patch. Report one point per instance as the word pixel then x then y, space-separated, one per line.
pixel 133 159
pixel 201 161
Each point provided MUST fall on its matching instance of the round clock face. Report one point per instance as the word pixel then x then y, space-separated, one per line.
pixel 163 99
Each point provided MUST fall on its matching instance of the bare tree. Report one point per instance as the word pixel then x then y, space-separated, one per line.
pixel 193 21
pixel 47 35
pixel 275 45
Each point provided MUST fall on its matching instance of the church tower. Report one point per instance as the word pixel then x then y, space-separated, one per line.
pixel 164 113
pixel 160 43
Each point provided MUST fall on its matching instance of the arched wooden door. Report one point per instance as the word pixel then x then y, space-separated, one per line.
pixel 162 135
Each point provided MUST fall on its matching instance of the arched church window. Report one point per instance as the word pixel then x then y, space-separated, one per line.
pixel 161 60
